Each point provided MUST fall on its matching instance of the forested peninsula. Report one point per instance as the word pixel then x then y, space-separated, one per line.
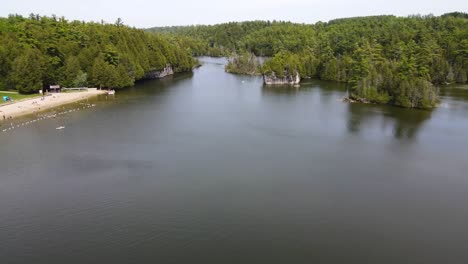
pixel 383 59
pixel 39 51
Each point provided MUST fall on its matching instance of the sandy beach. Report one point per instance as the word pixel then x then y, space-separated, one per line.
pixel 35 105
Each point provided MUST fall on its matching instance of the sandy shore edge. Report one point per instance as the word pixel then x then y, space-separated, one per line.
pixel 34 105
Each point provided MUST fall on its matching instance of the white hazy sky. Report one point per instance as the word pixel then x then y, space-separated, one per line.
pixel 144 13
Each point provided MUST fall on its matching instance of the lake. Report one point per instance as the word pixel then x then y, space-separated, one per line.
pixel 211 167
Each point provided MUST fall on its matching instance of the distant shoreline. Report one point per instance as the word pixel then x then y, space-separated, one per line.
pixel 35 105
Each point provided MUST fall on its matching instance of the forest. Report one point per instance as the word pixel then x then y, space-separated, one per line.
pixel 383 59
pixel 39 51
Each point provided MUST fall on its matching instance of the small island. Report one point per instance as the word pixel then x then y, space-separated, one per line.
pixel 244 63
pixel 248 64
pixel 392 60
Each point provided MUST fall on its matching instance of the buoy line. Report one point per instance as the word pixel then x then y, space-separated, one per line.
pixel 42 117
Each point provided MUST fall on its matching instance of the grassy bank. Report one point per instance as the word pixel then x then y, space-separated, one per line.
pixel 15 96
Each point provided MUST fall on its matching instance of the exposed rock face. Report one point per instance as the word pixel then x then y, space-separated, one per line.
pixel 288 79
pixel 160 74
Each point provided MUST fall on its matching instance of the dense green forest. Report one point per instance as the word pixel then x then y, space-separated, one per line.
pixel 384 59
pixel 39 51
pixel 244 63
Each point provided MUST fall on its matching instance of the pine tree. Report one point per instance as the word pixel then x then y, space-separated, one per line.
pixel 81 79
pixel 28 71
pixel 124 79
pixel 99 74
pixel 70 72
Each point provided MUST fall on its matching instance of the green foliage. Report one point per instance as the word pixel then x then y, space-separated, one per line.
pixel 123 77
pixel 81 79
pixel 416 93
pixel 36 52
pixel 245 63
pixel 219 40
pixel 103 74
pixel 70 72
pixel 283 64
pixel 111 55
pixel 16 96
pixel 375 96
pixel 28 71
pixel 384 59
pixel 456 14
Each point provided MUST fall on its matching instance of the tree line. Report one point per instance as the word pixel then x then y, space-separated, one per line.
pixel 383 59
pixel 38 51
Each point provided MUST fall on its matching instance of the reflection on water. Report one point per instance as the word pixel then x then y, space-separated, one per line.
pixel 407 126
pixel 163 84
pixel 326 88
pixel 456 91
pixel 404 123
pixel 280 89
pixel 212 167
pixel 325 98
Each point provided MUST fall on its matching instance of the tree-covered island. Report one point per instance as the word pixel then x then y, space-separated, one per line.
pixel 383 59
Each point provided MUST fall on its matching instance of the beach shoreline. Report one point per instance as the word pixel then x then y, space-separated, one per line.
pixel 35 105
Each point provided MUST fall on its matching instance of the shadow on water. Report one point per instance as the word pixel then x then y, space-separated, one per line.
pixel 454 98
pixel 142 89
pixel 404 123
pixel 325 85
pixel 280 89
pixel 455 91
pixel 152 86
pixel 212 60
pixel 326 88
pixel 329 91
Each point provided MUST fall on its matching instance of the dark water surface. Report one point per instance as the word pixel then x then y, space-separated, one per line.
pixel 215 168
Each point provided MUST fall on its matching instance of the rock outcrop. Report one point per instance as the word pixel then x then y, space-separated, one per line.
pixel 272 79
pixel 160 74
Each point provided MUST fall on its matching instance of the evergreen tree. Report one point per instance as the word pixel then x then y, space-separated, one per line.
pixel 28 71
pixel 70 72
pixel 68 52
pixel 385 59
pixel 102 74
pixel 81 79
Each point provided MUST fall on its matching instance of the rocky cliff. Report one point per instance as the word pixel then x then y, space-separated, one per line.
pixel 160 74
pixel 272 79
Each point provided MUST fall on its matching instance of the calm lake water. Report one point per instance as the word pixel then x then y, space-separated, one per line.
pixel 215 168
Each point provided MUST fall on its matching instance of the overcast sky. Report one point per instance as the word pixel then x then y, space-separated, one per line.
pixel 149 13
